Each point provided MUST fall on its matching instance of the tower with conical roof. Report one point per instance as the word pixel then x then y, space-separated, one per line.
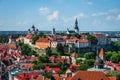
pixel 76 28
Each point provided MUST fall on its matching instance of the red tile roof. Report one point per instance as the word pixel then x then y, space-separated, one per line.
pixel 98 35
pixel 29 36
pixel 51 58
pixel 89 75
pixel 43 40
pixel 25 76
pixel 57 77
pixel 12 45
pixel 83 40
pixel 16 54
pixel 112 78
pixel 47 68
pixel 101 54
pixel 27 65
pixel 74 54
pixel 57 70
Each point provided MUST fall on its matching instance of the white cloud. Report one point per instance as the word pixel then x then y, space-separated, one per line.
pixel 44 10
pixel 86 2
pixel 109 17
pixel 81 15
pixel 89 3
pixel 113 17
pixel 118 17
pixel 99 14
pixel 114 11
pixel 53 16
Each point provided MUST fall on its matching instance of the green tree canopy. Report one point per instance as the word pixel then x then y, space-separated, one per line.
pixel 48 51
pixel 89 55
pixel 83 66
pixel 108 55
pixel 60 48
pixel 115 58
pixel 90 62
pixel 115 46
pixel 35 38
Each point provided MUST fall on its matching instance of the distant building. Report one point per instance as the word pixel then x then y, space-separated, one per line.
pixel 11 40
pixel 99 63
pixel 53 31
pixel 102 39
pixel 76 29
pixel 28 39
pixel 73 58
pixel 33 30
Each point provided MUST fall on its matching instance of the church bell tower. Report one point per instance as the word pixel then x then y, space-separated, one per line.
pixel 76 28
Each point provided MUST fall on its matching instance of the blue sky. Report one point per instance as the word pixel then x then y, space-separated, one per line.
pixel 92 15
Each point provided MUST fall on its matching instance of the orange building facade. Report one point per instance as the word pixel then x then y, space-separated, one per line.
pixel 43 43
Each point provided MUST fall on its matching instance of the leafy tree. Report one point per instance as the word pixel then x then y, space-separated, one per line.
pixel 83 67
pixel 43 59
pixel 115 73
pixel 115 46
pixel 60 48
pixel 63 69
pixel 115 58
pixel 4 38
pixel 69 35
pixel 35 38
pixel 77 35
pixel 89 55
pixel 26 50
pixel 108 55
pixel 48 51
pixel 42 35
pixel 90 62
pixel 78 61
pixel 47 75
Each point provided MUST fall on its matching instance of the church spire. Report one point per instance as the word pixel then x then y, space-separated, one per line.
pixel 76 22
pixel 76 26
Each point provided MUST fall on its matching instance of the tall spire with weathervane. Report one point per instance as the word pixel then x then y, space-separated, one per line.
pixel 76 26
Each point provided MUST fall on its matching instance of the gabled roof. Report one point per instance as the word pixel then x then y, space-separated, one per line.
pixel 98 35
pixel 83 40
pixel 101 54
pixel 74 54
pixel 112 78
pixel 27 65
pixel 56 70
pixel 16 54
pixel 43 40
pixel 89 75
pixel 12 45
pixel 29 36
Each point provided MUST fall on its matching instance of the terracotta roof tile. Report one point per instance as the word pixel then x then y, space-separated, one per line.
pixel 101 53
pixel 98 35
pixel 29 36
pixel 112 78
pixel 89 75
pixel 74 54
pixel 83 40
pixel 43 40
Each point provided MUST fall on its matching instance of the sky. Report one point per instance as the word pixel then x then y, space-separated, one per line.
pixel 92 15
